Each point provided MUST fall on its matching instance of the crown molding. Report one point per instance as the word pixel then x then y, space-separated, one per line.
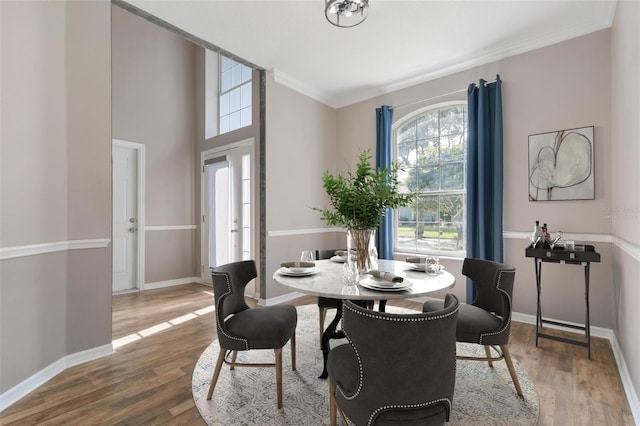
pixel 300 87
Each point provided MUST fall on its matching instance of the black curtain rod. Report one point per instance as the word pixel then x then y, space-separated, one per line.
pixel 439 96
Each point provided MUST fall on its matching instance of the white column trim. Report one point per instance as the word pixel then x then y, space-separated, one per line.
pixel 44 248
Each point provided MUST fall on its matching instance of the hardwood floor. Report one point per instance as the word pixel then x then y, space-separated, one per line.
pixel 148 381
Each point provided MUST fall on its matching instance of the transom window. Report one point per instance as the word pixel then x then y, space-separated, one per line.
pixel 430 146
pixel 235 95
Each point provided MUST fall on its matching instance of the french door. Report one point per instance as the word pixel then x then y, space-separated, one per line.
pixel 227 206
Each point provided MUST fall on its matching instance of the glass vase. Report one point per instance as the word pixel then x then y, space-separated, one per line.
pixel 362 243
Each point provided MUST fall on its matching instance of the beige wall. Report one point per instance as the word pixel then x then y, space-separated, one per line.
pixel 154 103
pixel 543 90
pixel 55 114
pixel 300 146
pixel 625 180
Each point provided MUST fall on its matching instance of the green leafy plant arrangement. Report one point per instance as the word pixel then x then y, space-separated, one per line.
pixel 360 200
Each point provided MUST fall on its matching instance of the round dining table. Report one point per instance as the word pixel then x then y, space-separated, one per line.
pixel 327 281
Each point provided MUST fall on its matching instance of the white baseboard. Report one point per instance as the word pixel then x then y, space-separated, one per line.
pixel 40 378
pixel 280 299
pixel 170 283
pixel 606 333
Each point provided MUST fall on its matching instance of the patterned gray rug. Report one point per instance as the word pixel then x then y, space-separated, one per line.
pixel 247 396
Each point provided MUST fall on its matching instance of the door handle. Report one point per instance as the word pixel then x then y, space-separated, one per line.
pixel 234 231
pixel 132 230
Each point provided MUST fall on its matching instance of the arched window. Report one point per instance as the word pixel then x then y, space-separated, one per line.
pixel 430 145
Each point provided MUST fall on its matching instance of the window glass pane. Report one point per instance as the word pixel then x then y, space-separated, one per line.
pixel 408 180
pixel 427 209
pixel 406 154
pixel 225 81
pixel 246 191
pixel 407 132
pixel 234 120
pixel 235 95
pixel 428 152
pixel 236 75
pixel 451 120
pixel 245 117
pixel 246 166
pixel 234 102
pixel 225 63
pixel 224 104
pixel 452 147
pixel 246 213
pixel 431 148
pixel 224 124
pixel 452 176
pixel 428 125
pixel 451 208
pixel 246 74
pixel 428 178
pixel 245 95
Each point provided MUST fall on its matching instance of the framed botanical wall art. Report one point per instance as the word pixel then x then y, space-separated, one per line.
pixel 561 165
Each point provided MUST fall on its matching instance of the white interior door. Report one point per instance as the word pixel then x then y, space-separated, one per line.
pixel 227 202
pixel 125 218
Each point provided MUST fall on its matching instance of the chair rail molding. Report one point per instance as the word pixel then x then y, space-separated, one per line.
pixel 52 247
pixel 290 232
pixel 169 227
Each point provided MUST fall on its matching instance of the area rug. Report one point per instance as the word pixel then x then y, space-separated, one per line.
pixel 247 396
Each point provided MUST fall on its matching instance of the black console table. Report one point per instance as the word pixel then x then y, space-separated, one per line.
pixel 566 257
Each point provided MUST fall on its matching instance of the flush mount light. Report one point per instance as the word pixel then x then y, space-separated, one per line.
pixel 346 13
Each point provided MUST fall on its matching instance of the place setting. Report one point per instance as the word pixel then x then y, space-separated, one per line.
pixel 385 281
pixel 429 264
pixel 304 267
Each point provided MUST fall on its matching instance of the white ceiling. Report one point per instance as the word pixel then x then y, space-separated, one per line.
pixel 401 43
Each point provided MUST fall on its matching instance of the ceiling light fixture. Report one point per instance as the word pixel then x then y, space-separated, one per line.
pixel 346 13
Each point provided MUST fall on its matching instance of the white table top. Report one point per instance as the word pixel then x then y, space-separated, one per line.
pixel 329 283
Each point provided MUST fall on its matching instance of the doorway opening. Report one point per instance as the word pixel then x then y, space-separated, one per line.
pixel 128 166
pixel 228 206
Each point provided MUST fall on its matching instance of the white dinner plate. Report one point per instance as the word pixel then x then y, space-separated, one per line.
pixel 290 273
pixel 420 267
pixel 374 283
pixel 339 259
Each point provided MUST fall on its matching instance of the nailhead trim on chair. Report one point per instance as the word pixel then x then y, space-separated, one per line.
pixel 426 404
pixel 361 374
pixel 500 272
pixel 219 311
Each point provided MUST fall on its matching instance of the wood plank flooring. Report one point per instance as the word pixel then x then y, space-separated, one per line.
pixel 148 381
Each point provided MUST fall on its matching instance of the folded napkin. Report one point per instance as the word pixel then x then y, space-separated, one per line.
pixel 387 276
pixel 415 260
pixel 298 264
pixel 343 253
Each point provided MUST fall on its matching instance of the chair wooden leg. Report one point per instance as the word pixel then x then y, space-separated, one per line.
pixel 234 356
pixel 293 351
pixel 278 353
pixel 487 351
pixel 332 404
pixel 216 373
pixel 322 314
pixel 512 370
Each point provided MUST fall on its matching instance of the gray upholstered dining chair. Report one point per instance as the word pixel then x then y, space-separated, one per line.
pixel 241 328
pixel 487 321
pixel 396 368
